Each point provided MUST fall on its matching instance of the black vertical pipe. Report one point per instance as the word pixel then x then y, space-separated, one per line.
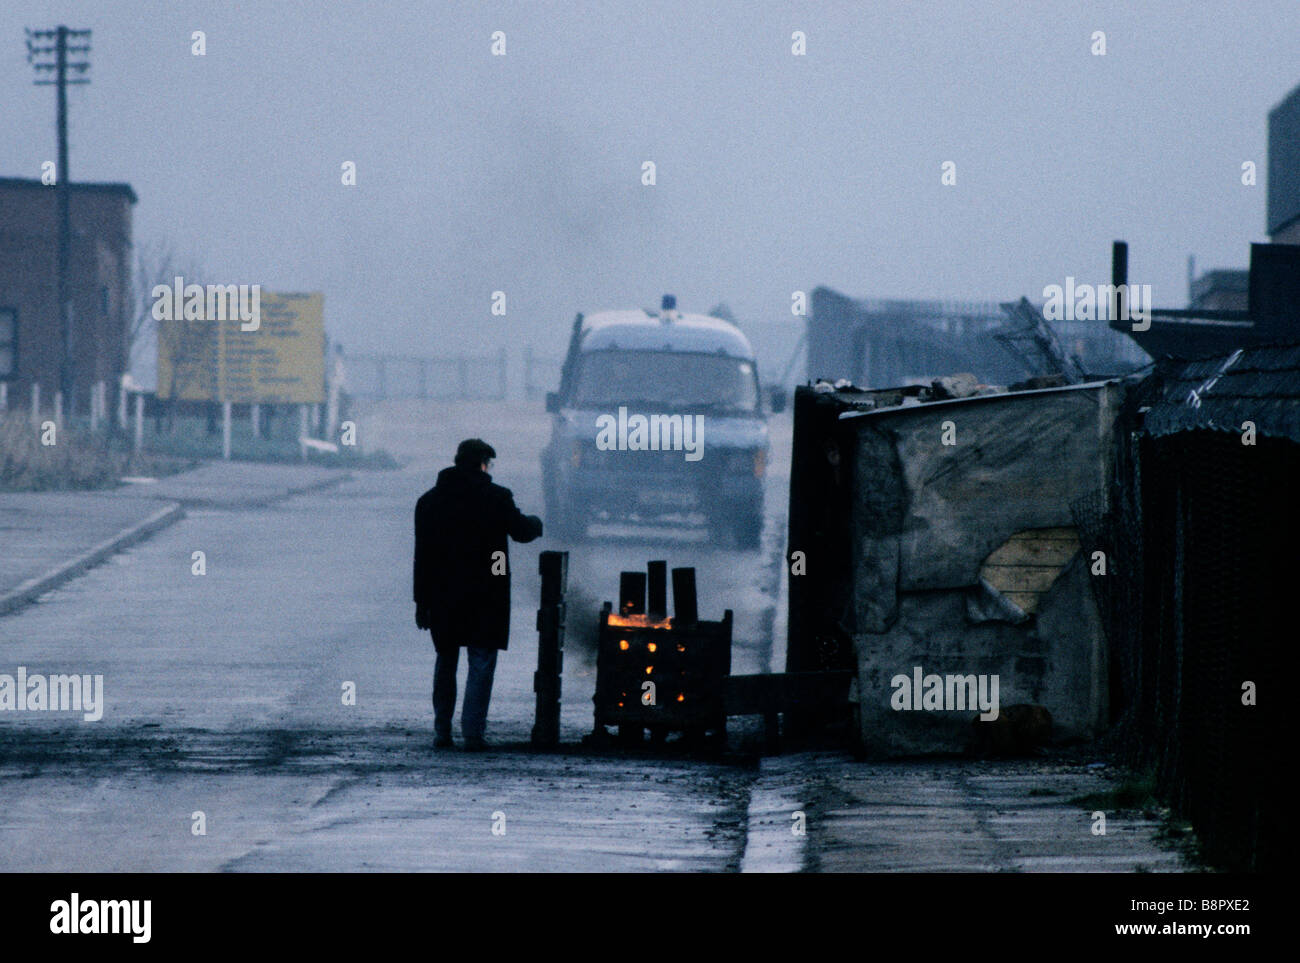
pixel 554 569
pixel 631 593
pixel 657 589
pixel 1118 278
pixel 686 610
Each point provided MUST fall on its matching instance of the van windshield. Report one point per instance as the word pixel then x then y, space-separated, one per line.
pixel 670 380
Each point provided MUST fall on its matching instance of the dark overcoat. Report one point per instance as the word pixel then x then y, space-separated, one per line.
pixel 460 525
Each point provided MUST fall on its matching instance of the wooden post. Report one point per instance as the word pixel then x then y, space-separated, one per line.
pixel 686 609
pixel 554 569
pixel 631 593
pixel 657 589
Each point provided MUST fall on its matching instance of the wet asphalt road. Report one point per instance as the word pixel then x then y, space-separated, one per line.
pixel 224 697
pixel 225 712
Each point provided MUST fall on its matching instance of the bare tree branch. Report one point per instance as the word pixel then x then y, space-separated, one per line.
pixel 156 262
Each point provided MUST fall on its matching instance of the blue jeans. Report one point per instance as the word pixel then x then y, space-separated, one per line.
pixel 478 690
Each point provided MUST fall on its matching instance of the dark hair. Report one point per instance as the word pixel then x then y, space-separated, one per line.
pixel 473 452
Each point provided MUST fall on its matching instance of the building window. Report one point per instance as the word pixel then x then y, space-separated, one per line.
pixel 8 342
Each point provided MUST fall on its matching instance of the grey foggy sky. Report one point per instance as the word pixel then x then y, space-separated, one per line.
pixel 775 172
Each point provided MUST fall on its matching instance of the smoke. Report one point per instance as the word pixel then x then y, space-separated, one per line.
pixel 548 221
pixel 581 622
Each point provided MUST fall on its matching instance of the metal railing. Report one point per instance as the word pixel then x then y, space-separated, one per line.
pixel 392 376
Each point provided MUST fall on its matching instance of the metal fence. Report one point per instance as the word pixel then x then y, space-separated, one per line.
pixel 1194 535
pixel 470 377
pixel 390 376
pixel 540 374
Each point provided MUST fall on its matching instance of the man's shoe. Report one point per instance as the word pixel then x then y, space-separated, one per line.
pixel 442 742
pixel 475 745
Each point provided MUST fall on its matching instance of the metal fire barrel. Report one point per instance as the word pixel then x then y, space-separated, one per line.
pixel 655 672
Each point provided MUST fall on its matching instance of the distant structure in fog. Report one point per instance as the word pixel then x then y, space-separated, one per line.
pixel 1233 309
pixel 1222 289
pixel 1229 289
pixel 877 342
pixel 1284 170
pixel 100 279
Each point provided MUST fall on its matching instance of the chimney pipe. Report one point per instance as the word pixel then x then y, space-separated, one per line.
pixel 631 593
pixel 657 589
pixel 1119 279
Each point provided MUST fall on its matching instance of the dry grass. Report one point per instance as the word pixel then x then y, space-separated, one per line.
pixel 78 459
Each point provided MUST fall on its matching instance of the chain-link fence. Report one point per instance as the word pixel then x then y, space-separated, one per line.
pixel 1194 534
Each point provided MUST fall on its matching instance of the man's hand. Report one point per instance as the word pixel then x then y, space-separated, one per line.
pixel 421 617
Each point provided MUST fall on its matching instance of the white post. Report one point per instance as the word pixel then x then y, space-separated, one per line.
pixel 36 403
pixel 255 419
pixel 315 418
pixel 302 429
pixel 94 406
pixel 336 376
pixel 4 396
pixel 58 408
pixel 139 420
pixel 225 430
pixel 121 403
pixel 332 412
pixel 103 401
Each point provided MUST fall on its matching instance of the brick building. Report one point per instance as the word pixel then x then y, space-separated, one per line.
pixel 99 274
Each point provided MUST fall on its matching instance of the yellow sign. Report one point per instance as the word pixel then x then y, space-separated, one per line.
pixel 281 360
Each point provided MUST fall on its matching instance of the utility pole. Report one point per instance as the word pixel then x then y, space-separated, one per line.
pixel 60 66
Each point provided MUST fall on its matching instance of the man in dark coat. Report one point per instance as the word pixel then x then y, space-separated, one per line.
pixel 462 582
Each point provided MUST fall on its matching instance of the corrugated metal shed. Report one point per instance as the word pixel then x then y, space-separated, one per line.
pixel 1259 384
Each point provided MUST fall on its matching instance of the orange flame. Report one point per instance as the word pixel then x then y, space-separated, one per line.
pixel 639 621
